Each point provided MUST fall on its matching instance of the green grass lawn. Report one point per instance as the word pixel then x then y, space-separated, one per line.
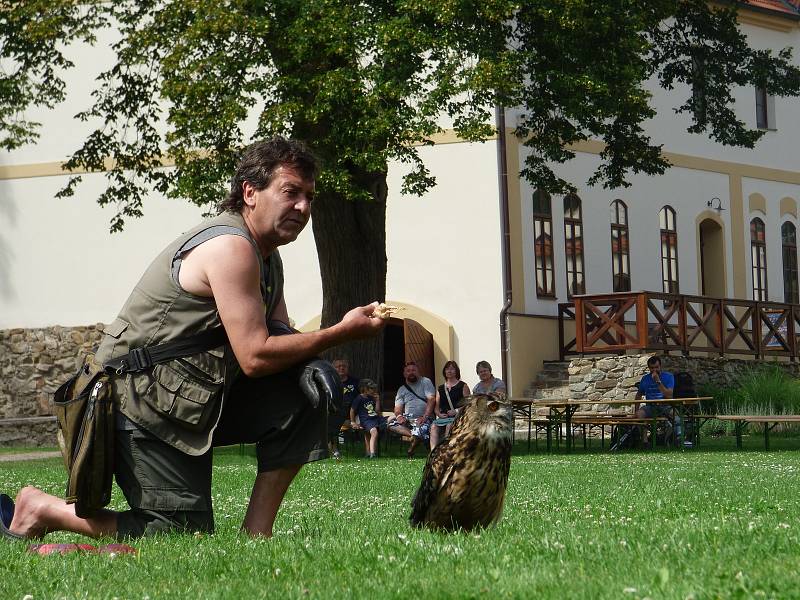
pixel 711 523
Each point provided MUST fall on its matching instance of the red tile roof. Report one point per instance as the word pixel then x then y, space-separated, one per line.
pixel 788 7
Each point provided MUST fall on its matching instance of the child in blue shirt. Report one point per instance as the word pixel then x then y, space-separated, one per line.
pixel 367 407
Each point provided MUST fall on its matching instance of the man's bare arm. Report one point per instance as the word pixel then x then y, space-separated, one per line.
pixel 226 268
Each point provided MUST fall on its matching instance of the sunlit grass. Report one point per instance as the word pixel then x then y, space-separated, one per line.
pixel 702 524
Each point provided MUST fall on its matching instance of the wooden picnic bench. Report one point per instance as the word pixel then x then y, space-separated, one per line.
pixel 740 422
pixel 562 411
pixel 602 421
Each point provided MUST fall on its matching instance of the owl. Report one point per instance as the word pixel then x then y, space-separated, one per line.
pixel 464 481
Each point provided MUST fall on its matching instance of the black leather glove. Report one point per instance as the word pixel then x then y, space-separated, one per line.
pixel 321 383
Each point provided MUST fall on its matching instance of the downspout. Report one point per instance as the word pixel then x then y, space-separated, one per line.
pixel 505 241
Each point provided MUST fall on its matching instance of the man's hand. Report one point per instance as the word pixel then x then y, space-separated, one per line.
pixel 420 420
pixel 359 323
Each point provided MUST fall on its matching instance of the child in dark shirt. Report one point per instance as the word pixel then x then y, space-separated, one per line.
pixel 367 407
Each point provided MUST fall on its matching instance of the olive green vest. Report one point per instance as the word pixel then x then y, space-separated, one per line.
pixel 180 401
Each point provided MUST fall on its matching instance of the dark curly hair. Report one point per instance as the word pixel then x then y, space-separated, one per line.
pixel 258 162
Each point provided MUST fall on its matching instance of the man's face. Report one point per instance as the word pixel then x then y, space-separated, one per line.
pixel 411 373
pixel 655 368
pixel 280 211
pixel 342 368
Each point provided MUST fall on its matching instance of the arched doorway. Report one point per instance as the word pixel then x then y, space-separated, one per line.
pixel 712 259
pixel 421 336
pixel 405 340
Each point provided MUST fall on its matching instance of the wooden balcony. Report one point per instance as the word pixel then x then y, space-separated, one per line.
pixel 654 321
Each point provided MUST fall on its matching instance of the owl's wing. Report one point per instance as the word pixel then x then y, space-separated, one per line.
pixel 434 476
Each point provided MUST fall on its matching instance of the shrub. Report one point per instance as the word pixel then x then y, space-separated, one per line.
pixel 766 390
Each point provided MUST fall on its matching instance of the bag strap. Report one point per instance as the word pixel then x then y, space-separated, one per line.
pixel 145 357
pixel 405 385
pixel 447 393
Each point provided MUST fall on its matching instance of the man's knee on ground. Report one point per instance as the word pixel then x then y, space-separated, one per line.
pixel 136 523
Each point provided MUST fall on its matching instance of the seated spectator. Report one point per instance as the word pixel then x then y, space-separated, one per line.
pixel 367 408
pixel 448 397
pixel 414 409
pixel 656 385
pixel 488 382
pixel 350 391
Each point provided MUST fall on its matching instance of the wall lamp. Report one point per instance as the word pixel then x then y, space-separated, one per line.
pixel 716 204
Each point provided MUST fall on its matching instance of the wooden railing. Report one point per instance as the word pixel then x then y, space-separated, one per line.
pixel 615 323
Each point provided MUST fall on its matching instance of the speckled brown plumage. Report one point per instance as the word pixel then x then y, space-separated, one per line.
pixel 464 481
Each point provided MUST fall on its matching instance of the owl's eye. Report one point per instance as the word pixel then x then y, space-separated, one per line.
pixel 493 405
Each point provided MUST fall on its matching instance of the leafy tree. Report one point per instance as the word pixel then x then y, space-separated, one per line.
pixel 367 82
pixel 32 61
pixel 362 82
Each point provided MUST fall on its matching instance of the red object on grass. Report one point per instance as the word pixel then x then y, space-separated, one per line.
pixel 47 549
pixel 116 549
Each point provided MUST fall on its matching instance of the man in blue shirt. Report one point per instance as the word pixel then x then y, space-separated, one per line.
pixel 656 385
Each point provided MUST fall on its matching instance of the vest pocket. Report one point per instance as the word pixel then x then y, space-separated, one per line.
pixel 183 393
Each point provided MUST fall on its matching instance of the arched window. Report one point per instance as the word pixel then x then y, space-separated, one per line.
pixel 543 244
pixel 620 253
pixel 573 245
pixel 758 257
pixel 669 250
pixel 789 243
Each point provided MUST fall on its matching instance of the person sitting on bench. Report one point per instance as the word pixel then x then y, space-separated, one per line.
pixel 656 385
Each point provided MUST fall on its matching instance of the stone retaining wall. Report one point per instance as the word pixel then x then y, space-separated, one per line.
pixel 33 363
pixel 38 432
pixel 616 377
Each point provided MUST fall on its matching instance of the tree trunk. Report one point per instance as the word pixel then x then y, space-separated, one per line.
pixel 351 246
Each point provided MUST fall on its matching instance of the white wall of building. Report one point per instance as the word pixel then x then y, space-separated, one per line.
pixel 685 190
pixel 776 149
pixel 444 248
pixel 772 192
pixel 58 262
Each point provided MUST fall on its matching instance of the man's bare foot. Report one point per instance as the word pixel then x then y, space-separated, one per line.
pixel 30 506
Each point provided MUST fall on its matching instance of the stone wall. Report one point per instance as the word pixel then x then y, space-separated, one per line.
pixel 616 377
pixel 33 363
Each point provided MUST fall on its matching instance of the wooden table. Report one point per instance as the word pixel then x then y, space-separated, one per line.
pixel 561 410
pixel 523 407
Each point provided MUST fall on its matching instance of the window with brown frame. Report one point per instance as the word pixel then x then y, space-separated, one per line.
pixel 758 257
pixel 573 245
pixel 762 108
pixel 543 244
pixel 789 243
pixel 669 251
pixel 620 253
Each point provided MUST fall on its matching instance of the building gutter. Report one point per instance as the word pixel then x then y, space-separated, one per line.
pixel 505 240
